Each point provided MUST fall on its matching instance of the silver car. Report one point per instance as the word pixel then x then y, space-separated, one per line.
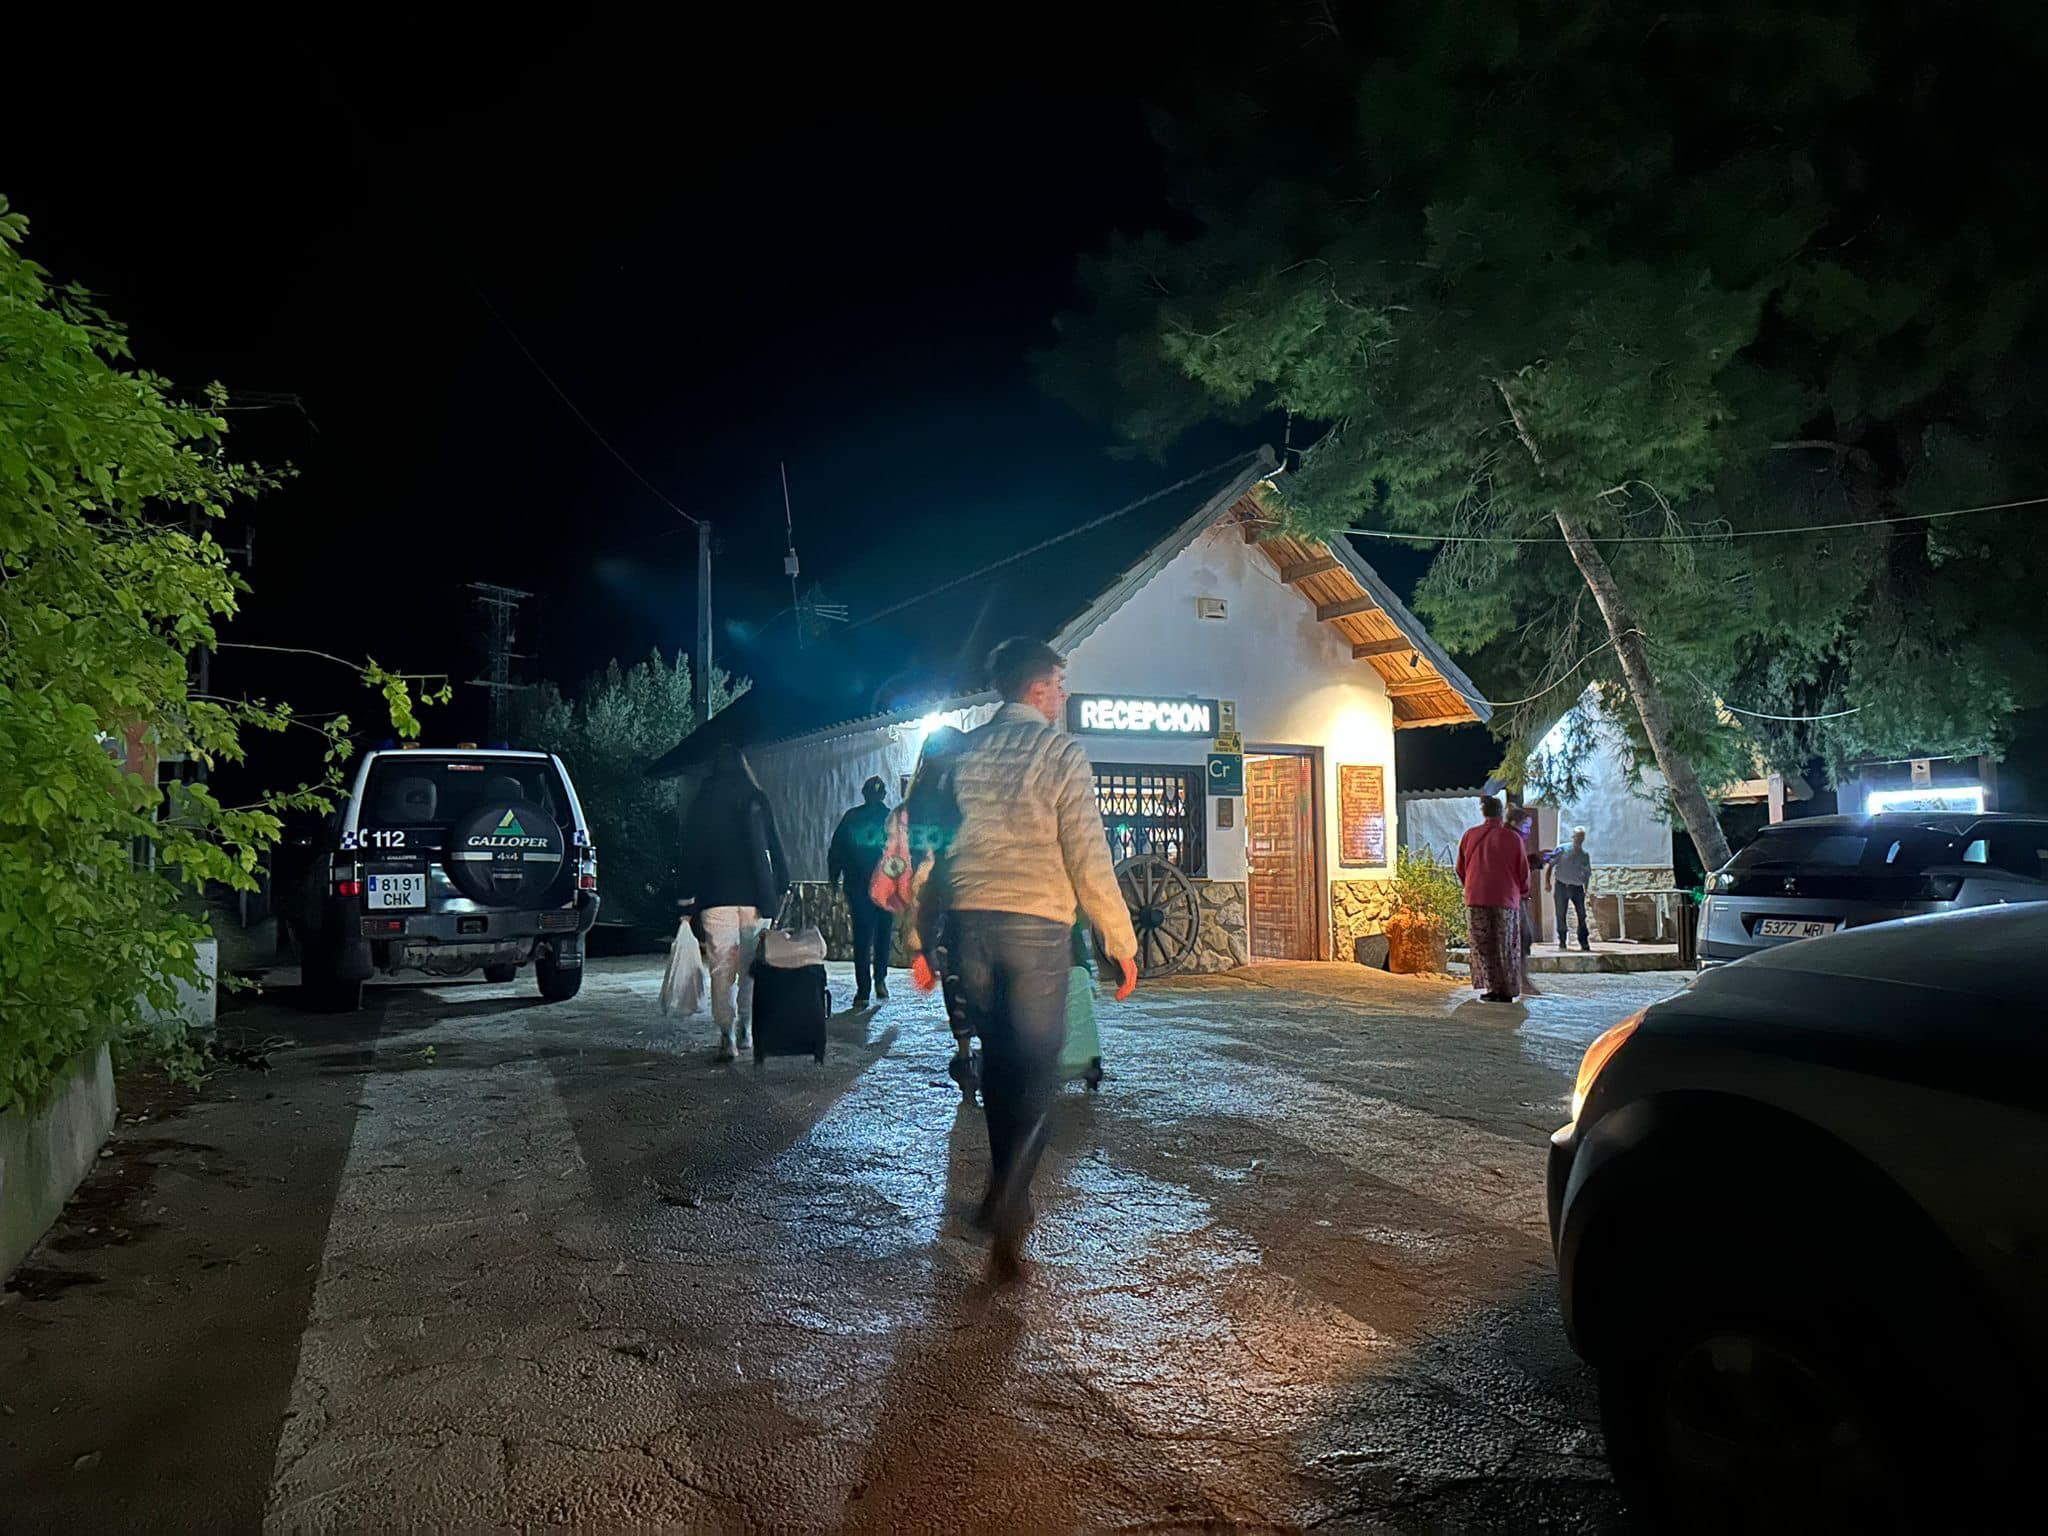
pixel 1803 879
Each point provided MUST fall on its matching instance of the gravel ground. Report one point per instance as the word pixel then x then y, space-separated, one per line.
pixel 468 1260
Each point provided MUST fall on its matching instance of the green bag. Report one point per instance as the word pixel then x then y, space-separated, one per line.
pixel 1082 1056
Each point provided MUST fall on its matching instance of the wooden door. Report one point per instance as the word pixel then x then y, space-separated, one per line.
pixel 1280 832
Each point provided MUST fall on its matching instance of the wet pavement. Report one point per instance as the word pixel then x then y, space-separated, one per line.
pixel 472 1261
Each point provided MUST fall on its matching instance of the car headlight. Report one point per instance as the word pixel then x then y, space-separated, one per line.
pixel 1597 1056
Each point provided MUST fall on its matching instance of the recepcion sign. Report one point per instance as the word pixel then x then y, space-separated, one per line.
pixel 1362 816
pixel 1122 715
pixel 1226 773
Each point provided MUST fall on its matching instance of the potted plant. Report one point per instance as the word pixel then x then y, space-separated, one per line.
pixel 1429 914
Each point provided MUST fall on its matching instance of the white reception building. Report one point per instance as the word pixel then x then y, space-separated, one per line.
pixel 1239 695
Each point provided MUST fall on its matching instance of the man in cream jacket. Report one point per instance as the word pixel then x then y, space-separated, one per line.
pixel 1030 848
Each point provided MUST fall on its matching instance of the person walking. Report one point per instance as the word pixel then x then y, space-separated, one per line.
pixel 1568 875
pixel 857 844
pixel 1494 869
pixel 733 873
pixel 921 837
pixel 1029 849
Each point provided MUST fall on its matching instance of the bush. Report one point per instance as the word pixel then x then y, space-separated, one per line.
pixel 109 581
pixel 1425 884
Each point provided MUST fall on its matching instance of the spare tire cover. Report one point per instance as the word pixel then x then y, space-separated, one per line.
pixel 507 853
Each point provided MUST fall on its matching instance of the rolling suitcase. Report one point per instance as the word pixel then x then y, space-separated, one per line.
pixel 791 1000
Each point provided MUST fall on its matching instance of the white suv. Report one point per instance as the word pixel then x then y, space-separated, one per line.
pixel 442 862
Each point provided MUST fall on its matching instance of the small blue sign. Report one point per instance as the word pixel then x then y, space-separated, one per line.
pixel 1226 773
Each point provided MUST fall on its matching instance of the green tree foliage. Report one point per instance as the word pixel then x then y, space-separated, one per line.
pixel 622 719
pixel 1590 294
pixel 108 583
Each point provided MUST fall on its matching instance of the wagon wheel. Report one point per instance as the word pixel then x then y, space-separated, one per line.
pixel 1164 912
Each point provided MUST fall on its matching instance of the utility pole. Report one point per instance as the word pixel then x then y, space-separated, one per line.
pixel 700 664
pixel 500 606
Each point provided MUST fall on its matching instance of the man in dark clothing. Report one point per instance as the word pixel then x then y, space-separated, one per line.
pixel 856 849
pixel 733 876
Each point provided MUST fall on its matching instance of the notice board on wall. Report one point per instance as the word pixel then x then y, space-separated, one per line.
pixel 1362 816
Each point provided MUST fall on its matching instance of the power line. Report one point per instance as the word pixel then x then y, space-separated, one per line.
pixel 1757 714
pixel 1564 678
pixel 1043 544
pixel 563 395
pixel 1698 537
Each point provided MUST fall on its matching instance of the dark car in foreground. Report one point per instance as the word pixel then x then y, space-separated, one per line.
pixel 1807 879
pixel 443 862
pixel 1800 1217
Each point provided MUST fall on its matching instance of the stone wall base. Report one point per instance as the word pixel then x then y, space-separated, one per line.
pixel 44 1155
pixel 1358 908
pixel 1224 941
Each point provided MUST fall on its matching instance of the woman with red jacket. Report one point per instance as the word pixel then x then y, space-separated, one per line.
pixel 1493 866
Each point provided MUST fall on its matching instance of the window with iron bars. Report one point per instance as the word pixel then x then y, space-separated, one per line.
pixel 1148 809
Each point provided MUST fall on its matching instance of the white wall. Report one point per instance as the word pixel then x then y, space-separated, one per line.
pixel 1438 824
pixel 1294 680
pixel 1624 827
pixel 813 784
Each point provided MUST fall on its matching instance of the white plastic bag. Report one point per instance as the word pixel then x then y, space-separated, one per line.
pixel 683 983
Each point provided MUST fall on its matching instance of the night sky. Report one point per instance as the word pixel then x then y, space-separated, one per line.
pixel 842 259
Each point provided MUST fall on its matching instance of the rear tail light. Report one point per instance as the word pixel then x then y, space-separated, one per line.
pixel 377 925
pixel 586 870
pixel 348 887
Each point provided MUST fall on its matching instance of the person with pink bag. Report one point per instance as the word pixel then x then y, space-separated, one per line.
pixel 910 882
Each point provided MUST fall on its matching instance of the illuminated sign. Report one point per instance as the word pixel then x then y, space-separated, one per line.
pixel 1927 797
pixel 1114 714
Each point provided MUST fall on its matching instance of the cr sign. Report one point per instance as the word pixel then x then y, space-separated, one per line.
pixel 1113 714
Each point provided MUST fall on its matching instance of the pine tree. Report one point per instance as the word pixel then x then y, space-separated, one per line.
pixel 1593 297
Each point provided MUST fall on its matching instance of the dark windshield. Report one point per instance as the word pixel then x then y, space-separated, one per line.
pixel 421 789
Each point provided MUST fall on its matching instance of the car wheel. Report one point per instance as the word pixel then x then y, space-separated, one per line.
pixel 500 972
pixel 1761 1397
pixel 558 983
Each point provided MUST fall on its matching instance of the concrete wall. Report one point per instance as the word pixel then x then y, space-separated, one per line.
pixel 44 1155
pixel 196 1007
pixel 1294 680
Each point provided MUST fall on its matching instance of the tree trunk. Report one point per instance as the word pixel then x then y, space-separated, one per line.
pixel 1694 807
